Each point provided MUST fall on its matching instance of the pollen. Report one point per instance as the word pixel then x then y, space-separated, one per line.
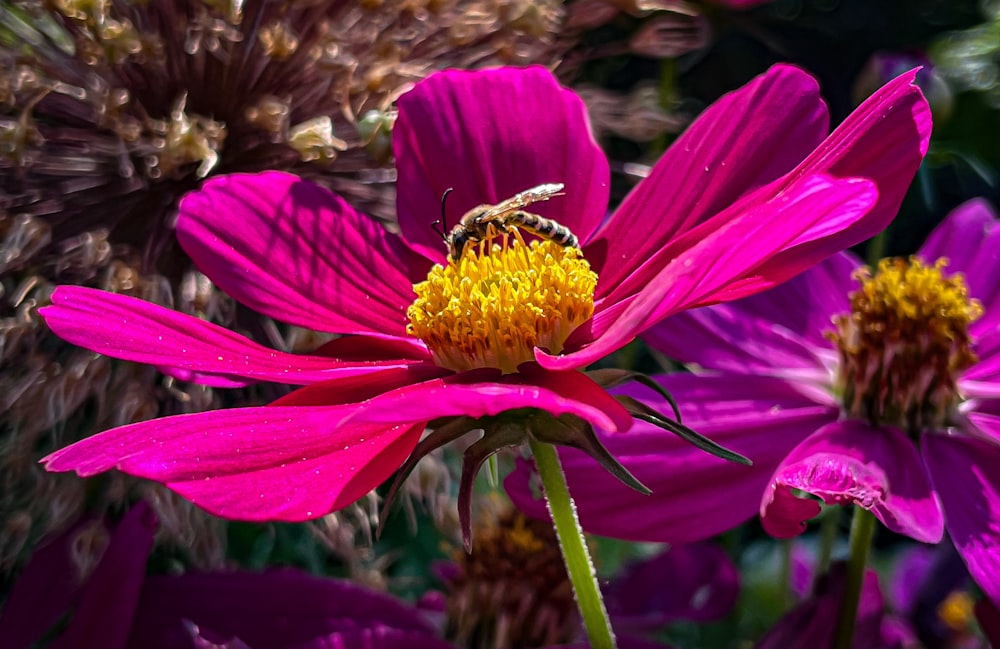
pixel 905 343
pixel 501 300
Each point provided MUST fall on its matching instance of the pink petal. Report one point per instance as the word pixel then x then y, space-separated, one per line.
pixel 725 257
pixel 970 240
pixel 266 463
pixel 490 134
pixel 276 608
pixel 296 252
pixel 746 139
pixel 704 586
pixel 761 333
pixel 472 396
pixel 966 476
pixel 104 616
pixel 135 330
pixel 695 495
pixel 988 618
pixel 966 239
pixel 847 462
pixel 810 624
pixel 885 140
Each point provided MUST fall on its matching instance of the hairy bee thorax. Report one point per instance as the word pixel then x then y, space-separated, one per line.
pixel 904 345
pixel 500 299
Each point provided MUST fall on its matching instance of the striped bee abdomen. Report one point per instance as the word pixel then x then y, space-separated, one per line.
pixel 545 228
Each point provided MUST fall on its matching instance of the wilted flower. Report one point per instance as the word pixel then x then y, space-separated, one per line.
pixel 110 111
pixel 494 340
pixel 883 396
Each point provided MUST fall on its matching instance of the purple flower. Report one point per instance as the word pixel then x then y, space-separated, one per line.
pixel 117 606
pixel 810 624
pixel 884 396
pixel 495 341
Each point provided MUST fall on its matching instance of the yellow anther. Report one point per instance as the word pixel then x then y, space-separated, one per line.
pixel 905 343
pixel 502 299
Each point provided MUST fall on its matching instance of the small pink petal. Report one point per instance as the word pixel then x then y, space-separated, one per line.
pixel 847 462
pixel 473 396
pixel 188 347
pixel 966 475
pixel 697 275
pixel 490 134
pixel 744 140
pixel 695 495
pixel 353 389
pixel 265 463
pixel 295 251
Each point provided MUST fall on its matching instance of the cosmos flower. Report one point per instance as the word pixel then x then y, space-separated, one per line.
pixel 96 593
pixel 810 624
pixel 883 395
pixel 90 587
pixel 109 112
pixel 512 590
pixel 494 341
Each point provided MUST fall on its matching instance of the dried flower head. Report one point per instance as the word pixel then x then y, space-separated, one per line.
pixel 110 111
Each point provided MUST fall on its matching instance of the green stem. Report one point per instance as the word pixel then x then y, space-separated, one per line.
pixel 785 573
pixel 574 548
pixel 876 248
pixel 829 526
pixel 862 532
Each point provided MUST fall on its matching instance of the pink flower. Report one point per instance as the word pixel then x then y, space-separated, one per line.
pixel 753 193
pixel 895 411
pixel 118 606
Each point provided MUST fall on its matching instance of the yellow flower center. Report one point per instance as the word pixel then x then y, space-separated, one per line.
pixel 905 343
pixel 957 610
pixel 502 299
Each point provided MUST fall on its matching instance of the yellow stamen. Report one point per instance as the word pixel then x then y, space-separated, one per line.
pixel 905 343
pixel 957 610
pixel 500 301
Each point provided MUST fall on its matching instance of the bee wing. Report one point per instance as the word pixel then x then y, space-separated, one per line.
pixel 521 200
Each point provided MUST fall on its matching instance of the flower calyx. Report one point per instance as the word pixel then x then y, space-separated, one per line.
pixel 607 378
pixel 507 430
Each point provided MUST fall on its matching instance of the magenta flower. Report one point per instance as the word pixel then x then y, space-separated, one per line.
pixel 884 396
pixel 752 194
pixel 117 606
pixel 810 624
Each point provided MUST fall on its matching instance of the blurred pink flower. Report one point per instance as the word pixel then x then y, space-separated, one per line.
pixel 117 606
pixel 752 194
pixel 919 447
pixel 810 624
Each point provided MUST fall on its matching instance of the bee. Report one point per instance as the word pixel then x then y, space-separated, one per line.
pixel 486 221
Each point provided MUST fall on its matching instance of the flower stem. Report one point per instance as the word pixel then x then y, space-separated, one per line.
pixel 829 526
pixel 574 548
pixel 862 532
pixel 785 573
